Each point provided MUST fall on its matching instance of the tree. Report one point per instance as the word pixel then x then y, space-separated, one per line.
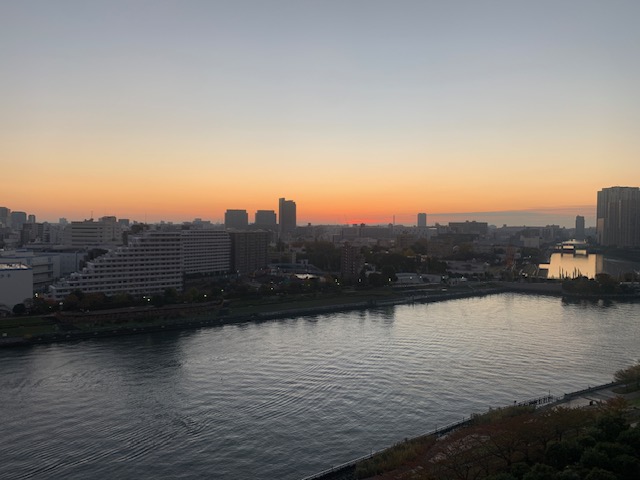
pixel 19 309
pixel 629 375
pixel 600 474
pixel 388 272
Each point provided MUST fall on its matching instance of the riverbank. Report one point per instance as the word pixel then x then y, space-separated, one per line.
pixel 74 326
pixel 589 397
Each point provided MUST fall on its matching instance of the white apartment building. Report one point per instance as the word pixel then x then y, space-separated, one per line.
pixel 149 264
pixel 205 251
pixel 16 283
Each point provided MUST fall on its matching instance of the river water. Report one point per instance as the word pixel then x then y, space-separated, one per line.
pixel 286 398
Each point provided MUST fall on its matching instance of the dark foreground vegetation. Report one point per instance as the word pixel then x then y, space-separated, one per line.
pixel 599 442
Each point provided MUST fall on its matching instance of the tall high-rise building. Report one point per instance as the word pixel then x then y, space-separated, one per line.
pixel 618 217
pixel 579 234
pixel 422 220
pixel 287 216
pixel 236 219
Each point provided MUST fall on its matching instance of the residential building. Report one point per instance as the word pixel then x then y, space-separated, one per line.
pixel 249 250
pixel 618 217
pixel 150 263
pixel 422 220
pixel 206 251
pixel 351 262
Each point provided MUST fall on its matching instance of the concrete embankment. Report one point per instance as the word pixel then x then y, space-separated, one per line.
pixel 543 288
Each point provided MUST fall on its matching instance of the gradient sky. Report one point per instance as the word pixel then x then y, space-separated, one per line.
pixel 357 110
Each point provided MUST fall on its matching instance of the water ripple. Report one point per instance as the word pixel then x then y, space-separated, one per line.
pixel 285 398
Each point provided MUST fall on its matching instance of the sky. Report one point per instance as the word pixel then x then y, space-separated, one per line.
pixel 360 111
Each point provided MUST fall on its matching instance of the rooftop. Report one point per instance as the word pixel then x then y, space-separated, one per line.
pixel 14 266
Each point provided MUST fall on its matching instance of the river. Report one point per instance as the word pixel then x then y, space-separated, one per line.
pixel 286 398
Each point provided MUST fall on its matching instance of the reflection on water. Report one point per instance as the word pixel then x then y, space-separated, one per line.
pixel 570 265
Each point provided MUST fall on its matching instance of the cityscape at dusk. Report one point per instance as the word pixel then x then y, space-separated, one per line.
pixel 361 111
pixel 320 239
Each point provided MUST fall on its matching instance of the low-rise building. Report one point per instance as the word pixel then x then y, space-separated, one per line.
pixel 16 283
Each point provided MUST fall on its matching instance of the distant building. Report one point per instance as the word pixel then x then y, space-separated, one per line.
pixel 16 284
pixel 422 220
pixel 579 234
pixel 89 233
pixel 475 228
pixel 287 216
pixel 265 218
pixel 236 219
pixel 18 219
pixel 5 217
pixel 618 217
pixel 249 251
pixel 351 262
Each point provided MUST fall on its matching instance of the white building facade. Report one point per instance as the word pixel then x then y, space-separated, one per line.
pixel 16 283
pixel 149 264
pixel 205 251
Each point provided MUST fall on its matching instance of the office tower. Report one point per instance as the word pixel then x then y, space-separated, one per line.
pixel 579 235
pixel 618 217
pixel 422 220
pixel 236 219
pixel 31 218
pixel 265 218
pixel 287 216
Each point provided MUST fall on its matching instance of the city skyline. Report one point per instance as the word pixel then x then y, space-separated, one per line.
pixel 362 112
